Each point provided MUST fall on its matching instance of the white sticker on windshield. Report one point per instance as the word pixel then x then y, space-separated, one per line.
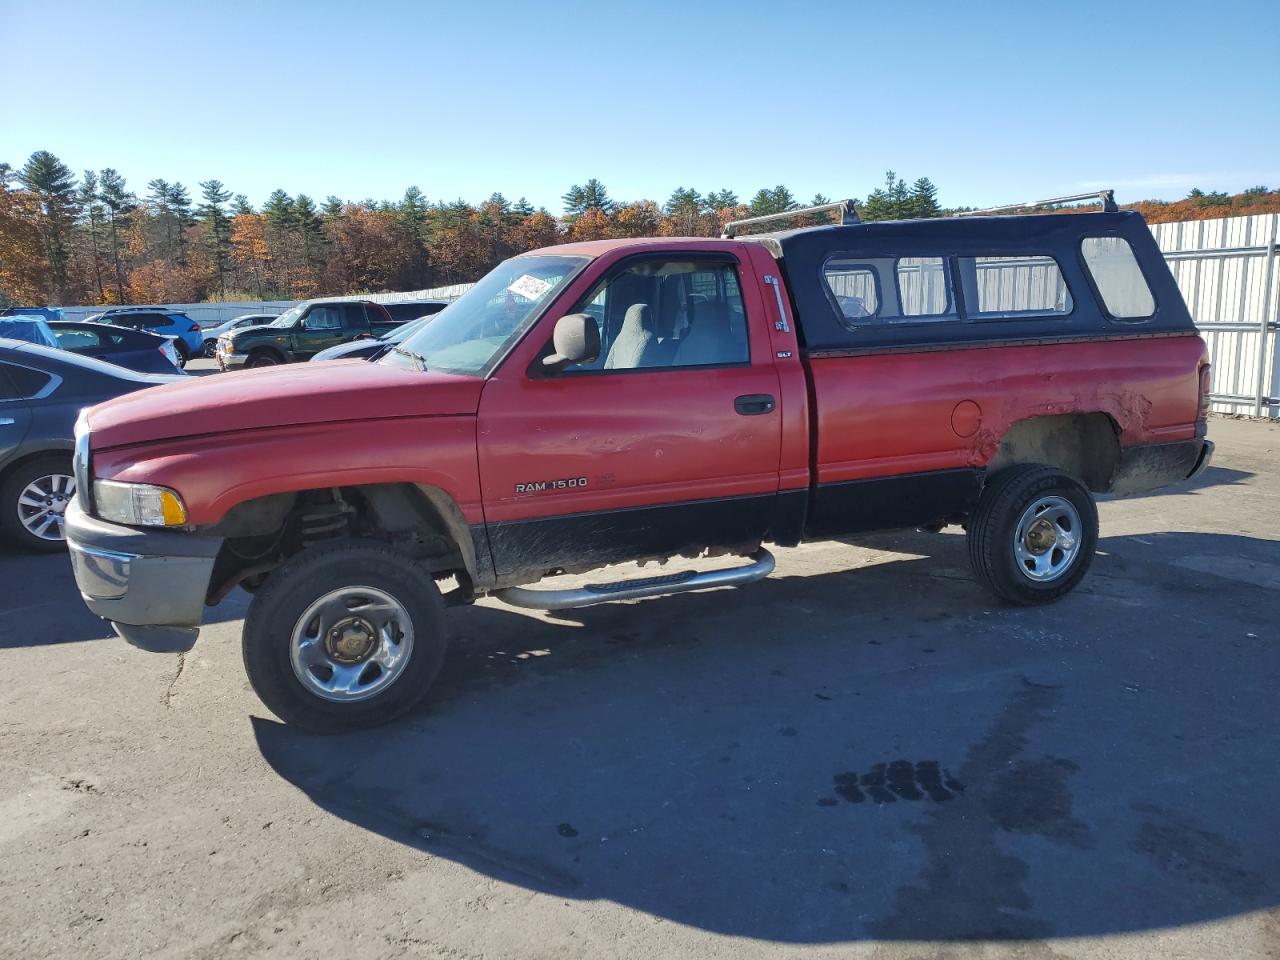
pixel 529 287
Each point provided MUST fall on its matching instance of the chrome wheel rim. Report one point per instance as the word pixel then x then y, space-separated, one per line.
pixel 1047 539
pixel 351 644
pixel 42 503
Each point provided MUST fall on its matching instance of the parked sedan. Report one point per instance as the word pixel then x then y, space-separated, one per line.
pixel 373 347
pixel 158 320
pixel 42 391
pixel 212 333
pixel 135 349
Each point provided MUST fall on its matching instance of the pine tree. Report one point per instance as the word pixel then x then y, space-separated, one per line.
pixel 721 200
pixel 923 199
pixel 180 203
pixel 92 211
pixel 777 200
pixel 120 204
pixel 217 228
pixel 54 186
pixel 684 208
pixel 309 230
pixel 240 205
pixel 592 194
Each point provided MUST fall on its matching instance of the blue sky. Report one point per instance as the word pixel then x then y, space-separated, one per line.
pixel 995 102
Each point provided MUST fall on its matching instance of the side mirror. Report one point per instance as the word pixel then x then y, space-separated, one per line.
pixel 576 340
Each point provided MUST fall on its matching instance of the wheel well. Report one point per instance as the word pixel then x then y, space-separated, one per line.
pixel 423 521
pixel 1084 445
pixel 266 349
pixel 26 458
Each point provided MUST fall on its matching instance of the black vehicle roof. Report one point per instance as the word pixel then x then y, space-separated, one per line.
pixel 106 328
pixel 803 253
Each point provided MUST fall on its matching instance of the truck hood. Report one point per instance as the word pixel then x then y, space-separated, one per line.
pixel 303 393
pixel 254 332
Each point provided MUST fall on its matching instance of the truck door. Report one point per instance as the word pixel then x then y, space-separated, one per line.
pixel 668 441
pixel 322 327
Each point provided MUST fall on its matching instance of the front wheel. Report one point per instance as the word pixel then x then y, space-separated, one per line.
pixel 33 498
pixel 344 636
pixel 263 358
pixel 1033 535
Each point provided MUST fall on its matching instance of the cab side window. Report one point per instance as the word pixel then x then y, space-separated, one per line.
pixel 324 318
pixel 667 313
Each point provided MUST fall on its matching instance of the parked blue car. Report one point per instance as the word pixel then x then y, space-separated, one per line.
pixel 159 320
pixel 134 349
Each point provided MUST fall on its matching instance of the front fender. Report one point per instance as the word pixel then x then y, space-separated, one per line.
pixel 214 473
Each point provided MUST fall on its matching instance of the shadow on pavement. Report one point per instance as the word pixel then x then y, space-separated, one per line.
pixel 41 604
pixel 874 753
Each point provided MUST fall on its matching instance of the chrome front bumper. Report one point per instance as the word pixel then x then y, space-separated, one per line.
pixel 151 585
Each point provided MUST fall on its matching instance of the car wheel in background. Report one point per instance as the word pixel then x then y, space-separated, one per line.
pixel 262 359
pixel 1033 535
pixel 343 636
pixel 210 348
pixel 33 498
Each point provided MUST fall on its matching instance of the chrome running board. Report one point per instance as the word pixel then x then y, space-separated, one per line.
pixel 761 566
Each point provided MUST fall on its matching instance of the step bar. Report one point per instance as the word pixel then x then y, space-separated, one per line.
pixel 762 564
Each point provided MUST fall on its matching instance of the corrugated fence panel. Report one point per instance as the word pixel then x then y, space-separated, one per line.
pixel 1228 273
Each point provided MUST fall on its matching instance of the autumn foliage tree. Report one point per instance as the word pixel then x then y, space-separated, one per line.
pixel 96 241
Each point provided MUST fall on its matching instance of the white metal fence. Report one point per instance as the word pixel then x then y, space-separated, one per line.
pixel 1228 272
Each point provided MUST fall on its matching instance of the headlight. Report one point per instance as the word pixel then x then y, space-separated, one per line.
pixel 138 504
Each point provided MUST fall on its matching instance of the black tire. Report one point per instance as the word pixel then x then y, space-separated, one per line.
pixel 994 526
pixel 263 358
pixel 210 348
pixel 11 489
pixel 184 353
pixel 283 600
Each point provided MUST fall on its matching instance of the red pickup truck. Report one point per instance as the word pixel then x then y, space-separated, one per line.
pixel 620 400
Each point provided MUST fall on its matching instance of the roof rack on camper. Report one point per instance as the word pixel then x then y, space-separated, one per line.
pixel 1108 198
pixel 848 215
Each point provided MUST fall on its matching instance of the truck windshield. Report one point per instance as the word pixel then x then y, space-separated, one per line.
pixel 287 319
pixel 468 334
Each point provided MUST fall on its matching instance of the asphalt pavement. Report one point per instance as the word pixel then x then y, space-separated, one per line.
pixel 862 756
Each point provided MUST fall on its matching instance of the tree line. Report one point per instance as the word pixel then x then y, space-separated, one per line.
pixel 95 240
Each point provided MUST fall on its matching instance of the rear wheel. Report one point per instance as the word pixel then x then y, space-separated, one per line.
pixel 344 636
pixel 183 351
pixel 33 499
pixel 1033 535
pixel 210 348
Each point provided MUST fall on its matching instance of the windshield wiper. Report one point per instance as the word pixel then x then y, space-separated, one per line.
pixel 417 358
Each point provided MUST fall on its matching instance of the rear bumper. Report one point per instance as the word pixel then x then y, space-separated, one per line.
pixel 151 585
pixel 1151 466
